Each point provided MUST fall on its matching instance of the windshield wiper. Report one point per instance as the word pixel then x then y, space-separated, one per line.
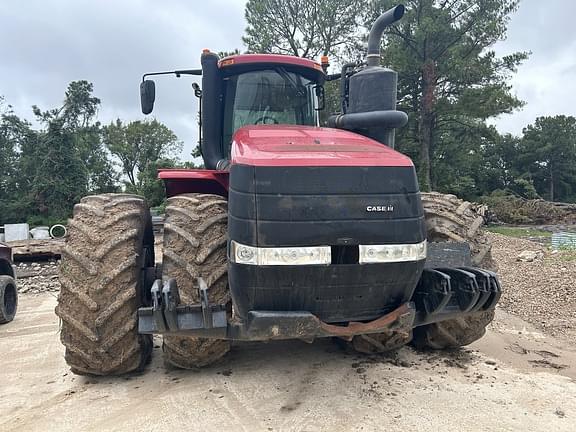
pixel 288 79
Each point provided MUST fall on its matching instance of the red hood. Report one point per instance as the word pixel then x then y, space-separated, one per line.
pixel 281 145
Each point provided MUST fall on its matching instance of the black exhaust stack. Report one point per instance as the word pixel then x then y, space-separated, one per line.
pixel 387 18
pixel 372 91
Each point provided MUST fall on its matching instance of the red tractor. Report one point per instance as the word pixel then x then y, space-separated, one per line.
pixel 291 231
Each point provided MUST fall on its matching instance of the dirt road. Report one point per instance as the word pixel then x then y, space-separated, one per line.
pixel 514 379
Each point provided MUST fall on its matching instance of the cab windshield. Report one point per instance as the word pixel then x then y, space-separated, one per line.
pixel 272 96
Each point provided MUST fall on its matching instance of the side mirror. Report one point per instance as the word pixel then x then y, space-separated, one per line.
pixel 320 94
pixel 147 96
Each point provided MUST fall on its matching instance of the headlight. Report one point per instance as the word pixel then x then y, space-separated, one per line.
pixel 321 255
pixel 242 254
pixel 392 253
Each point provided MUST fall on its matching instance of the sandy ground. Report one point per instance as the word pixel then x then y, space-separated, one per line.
pixel 515 378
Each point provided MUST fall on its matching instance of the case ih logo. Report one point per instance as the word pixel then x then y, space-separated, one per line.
pixel 380 208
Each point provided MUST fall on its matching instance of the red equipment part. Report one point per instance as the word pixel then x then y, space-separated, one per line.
pixel 180 181
pixel 283 145
pixel 245 59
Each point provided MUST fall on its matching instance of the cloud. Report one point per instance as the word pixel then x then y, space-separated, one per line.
pixel 547 79
pixel 45 45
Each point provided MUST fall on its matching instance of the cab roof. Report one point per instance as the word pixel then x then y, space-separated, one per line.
pixel 245 62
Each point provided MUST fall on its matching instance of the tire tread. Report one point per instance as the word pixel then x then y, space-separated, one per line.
pixel 100 285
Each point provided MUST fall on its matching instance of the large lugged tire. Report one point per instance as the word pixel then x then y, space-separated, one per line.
pixel 451 219
pixel 195 236
pixel 8 299
pixel 381 342
pixel 453 333
pixel 109 241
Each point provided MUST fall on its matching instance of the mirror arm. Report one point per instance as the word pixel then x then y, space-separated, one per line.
pixel 333 77
pixel 176 72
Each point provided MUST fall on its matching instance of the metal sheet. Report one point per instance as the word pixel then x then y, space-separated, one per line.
pixel 16 232
pixel 563 240
pixel 448 254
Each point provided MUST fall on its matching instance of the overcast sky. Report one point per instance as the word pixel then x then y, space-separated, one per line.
pixel 46 44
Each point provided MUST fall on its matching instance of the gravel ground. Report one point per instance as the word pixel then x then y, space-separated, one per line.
pixel 37 277
pixel 540 292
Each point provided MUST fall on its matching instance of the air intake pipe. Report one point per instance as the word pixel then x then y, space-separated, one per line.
pixel 371 109
pixel 387 119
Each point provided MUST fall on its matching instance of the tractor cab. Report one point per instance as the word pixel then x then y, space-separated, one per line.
pixel 254 89
pixel 266 89
pixel 248 89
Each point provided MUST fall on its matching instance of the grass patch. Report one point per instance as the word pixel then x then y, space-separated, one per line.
pixel 519 232
pixel 566 253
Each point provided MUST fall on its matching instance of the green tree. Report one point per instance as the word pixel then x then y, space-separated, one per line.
pixel 149 185
pixel 449 77
pixel 460 165
pixel 139 145
pixel 303 28
pixel 79 111
pixel 78 117
pixel 548 156
pixel 60 178
pixel 15 133
pixel 65 159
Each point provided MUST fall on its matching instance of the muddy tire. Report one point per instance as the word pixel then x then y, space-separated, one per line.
pixel 195 236
pixel 109 241
pixel 381 342
pixel 453 333
pixel 451 219
pixel 8 299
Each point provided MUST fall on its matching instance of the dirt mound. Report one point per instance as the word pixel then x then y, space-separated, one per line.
pixel 515 210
